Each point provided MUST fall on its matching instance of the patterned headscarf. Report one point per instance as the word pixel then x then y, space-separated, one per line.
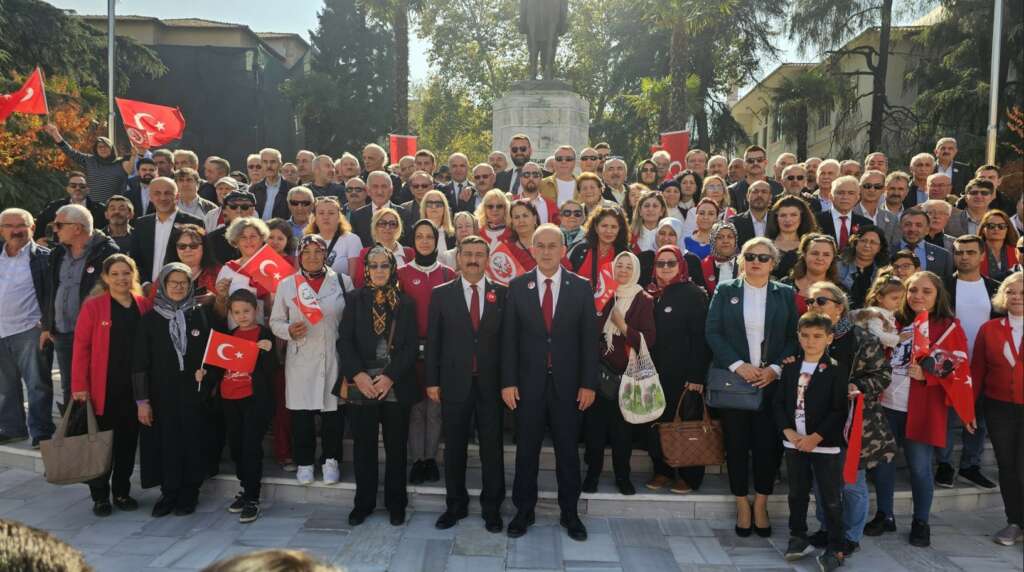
pixel 682 271
pixel 318 241
pixel 175 311
pixel 385 298
pixel 717 229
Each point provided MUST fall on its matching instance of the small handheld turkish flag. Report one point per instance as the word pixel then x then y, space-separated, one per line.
pixel 150 125
pixel 606 286
pixel 502 267
pixel 230 353
pixel 29 98
pixel 305 299
pixel 921 346
pixel 267 268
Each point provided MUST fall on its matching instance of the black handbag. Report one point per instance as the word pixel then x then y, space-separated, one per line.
pixel 609 382
pixel 724 389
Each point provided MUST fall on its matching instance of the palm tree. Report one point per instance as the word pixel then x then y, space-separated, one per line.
pixel 797 99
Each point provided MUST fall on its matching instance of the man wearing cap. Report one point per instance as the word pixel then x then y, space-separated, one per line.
pixel 237 203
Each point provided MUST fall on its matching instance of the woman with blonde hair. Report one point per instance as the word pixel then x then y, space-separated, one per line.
pixel 493 217
pixel 386 230
pixel 434 207
pixel 715 189
pixel 464 224
pixel 330 223
pixel 649 211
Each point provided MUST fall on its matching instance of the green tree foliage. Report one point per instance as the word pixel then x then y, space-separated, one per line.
pixel 797 101
pixel 345 100
pixel 448 120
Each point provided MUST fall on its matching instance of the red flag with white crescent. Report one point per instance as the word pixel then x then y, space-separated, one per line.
pixel 502 266
pixel 150 125
pixel 922 343
pixel 267 268
pixel 950 357
pixel 605 286
pixel 230 353
pixel 29 98
pixel 855 437
pixel 306 300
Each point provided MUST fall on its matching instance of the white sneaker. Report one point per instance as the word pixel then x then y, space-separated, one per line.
pixel 1009 536
pixel 304 474
pixel 331 472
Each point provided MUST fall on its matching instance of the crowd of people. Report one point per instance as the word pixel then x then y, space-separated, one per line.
pixel 806 281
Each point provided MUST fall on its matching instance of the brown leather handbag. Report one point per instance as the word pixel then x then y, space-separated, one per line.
pixel 691 443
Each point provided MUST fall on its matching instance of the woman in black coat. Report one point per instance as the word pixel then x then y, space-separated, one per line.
pixel 377 347
pixel 172 404
pixel 681 357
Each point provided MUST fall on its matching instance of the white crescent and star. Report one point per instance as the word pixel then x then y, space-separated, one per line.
pixel 138 120
pixel 29 93
pixel 220 351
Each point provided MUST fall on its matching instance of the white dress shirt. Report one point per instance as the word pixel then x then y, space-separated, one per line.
pixel 19 307
pixel 755 305
pixel 161 234
pixel 839 224
pixel 144 194
pixel 556 283
pixel 481 287
pixel 542 207
pixel 566 190
pixel 759 225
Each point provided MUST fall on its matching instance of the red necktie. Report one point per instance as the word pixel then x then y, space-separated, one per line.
pixel 547 308
pixel 844 234
pixel 474 316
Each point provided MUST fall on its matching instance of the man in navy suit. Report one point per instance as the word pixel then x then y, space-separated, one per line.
pixel 914 224
pixel 549 375
pixel 138 187
pixel 840 222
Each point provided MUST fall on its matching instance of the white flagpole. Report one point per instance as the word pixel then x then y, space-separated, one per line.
pixel 993 92
pixel 110 71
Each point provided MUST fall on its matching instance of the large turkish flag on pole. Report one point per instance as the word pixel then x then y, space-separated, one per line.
pixel 29 98
pixel 150 125
pixel 402 145
pixel 230 353
pixel 267 268
pixel 677 143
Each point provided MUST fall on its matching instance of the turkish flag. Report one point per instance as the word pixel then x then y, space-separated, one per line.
pixel 402 145
pixel 502 266
pixel 606 286
pixel 230 353
pixel 267 268
pixel 150 125
pixel 855 438
pixel 29 98
pixel 306 300
pixel 921 345
pixel 950 354
pixel 677 143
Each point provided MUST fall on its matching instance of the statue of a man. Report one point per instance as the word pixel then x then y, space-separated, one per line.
pixel 543 21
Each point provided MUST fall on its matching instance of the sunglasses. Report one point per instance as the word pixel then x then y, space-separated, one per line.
pixel 590 158
pixel 188 245
pixel 648 170
pixel 423 186
pixel 876 186
pixel 434 204
pixel 254 166
pixel 379 266
pixel 78 186
pixel 354 189
pixel 795 177
pixel 300 203
pixel 481 177
pixel 572 213
pixel 531 175
pixel 387 224
pixel 762 258
pixel 982 192
pixel 240 206
pixel 819 301
pixel 666 264
pixel 996 225
pixel 519 149
pixel 564 159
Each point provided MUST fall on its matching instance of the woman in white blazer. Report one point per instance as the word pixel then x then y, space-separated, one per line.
pixel 311 359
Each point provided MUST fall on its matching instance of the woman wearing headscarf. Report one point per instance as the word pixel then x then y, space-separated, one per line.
pixel 103 168
pixel 627 317
pixel 668 232
pixel 377 343
pixel 681 357
pixel 418 279
pixel 720 266
pixel 172 404
pixel 310 365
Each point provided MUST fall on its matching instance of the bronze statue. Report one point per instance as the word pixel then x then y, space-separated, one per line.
pixel 543 21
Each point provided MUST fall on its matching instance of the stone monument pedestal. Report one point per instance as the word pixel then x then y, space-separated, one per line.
pixel 546 110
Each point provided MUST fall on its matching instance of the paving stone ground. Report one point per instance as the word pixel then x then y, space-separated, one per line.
pixel 134 541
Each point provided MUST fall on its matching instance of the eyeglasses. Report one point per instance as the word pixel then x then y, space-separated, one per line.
pixel 481 177
pixel 762 258
pixel 517 149
pixel 188 245
pixel 423 186
pixel 300 203
pixel 177 284
pixel 354 189
pixel 666 264
pixel 819 301
pixel 876 186
pixel 902 267
pixel 795 177
pixel 254 166
pixel 564 159
pixel 239 206
pixel 531 175
pixel 590 158
pixel 495 207
pixel 982 192
pixel 78 186
pixel 996 226
pixel 60 225
pixel 434 204
pixel 379 266
pixel 387 224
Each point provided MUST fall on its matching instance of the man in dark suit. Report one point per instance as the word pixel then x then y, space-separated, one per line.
pixel 460 188
pixel 752 222
pixel 154 236
pixel 465 378
pixel 840 222
pixel 379 189
pixel 470 198
pixel 418 185
pixel 756 159
pixel 946 163
pixel 77 190
pixel 272 189
pixel 138 187
pixel 520 150
pixel 921 166
pixel 914 224
pixel 549 375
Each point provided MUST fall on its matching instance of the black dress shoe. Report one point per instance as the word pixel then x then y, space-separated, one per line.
pixel 625 487
pixel 575 527
pixel 101 508
pixel 126 503
pixel 920 534
pixel 185 509
pixel 450 518
pixel 357 517
pixel 416 473
pixel 590 483
pixel 398 517
pixel 431 473
pixel 880 525
pixel 765 532
pixel 492 522
pixel 744 532
pixel 519 524
pixel 163 507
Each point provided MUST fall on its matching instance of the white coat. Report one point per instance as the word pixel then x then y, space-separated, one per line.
pixel 311 363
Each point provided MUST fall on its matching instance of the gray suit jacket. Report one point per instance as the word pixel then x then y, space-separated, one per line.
pixel 888 222
pixel 957 225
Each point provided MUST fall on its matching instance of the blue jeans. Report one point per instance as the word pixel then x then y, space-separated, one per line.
pixel 63 344
pixel 974 444
pixel 856 503
pixel 20 359
pixel 919 461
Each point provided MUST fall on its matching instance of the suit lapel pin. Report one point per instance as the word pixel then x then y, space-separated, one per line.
pixel 668 309
pixel 195 333
pixel 531 284
pixel 931 258
pixel 491 297
pixel 104 323
pixel 90 270
pixel 734 300
pixel 821 367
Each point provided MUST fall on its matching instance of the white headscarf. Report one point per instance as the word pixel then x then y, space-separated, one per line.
pixel 624 295
pixel 677 226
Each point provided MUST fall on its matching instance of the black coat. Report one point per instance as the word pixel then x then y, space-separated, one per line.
pixel 134 194
pixel 97 209
pixel 449 359
pixel 259 190
pixel 692 265
pixel 825 400
pixel 100 247
pixel 357 344
pixel 681 353
pixel 744 223
pixel 991 286
pixel 362 216
pixel 144 235
pixel 217 242
pixel 828 226
pixel 572 344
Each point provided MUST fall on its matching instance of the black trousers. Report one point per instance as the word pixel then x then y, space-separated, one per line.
pixel 457 421
pixel 364 421
pixel 603 423
pixel 562 416
pixel 1006 430
pixel 751 435
pixel 827 473
pixel 126 439
pixel 332 423
pixel 246 426
pixel 213 445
